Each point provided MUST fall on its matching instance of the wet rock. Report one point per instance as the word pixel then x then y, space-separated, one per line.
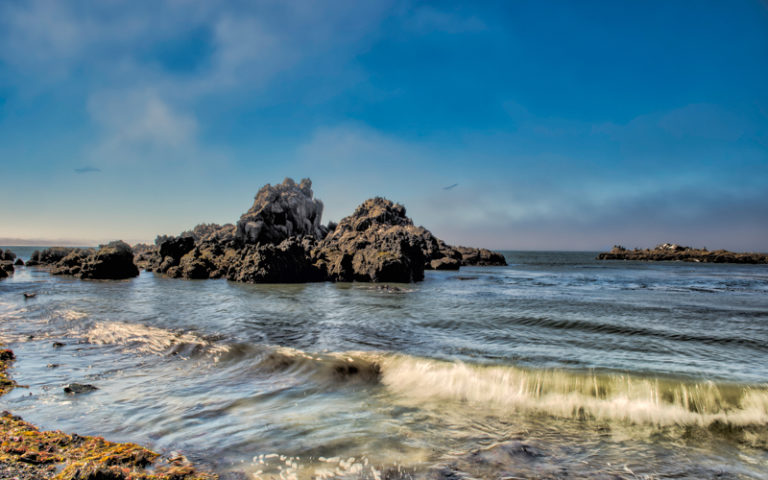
pixel 7 255
pixel 53 365
pixel 3 274
pixel 281 211
pixel 19 262
pixel 57 344
pixel 76 388
pixel 29 295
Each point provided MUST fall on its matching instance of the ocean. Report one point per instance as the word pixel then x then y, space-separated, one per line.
pixel 556 366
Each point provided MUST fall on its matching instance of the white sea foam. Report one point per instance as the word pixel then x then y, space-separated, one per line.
pixel 70 315
pixel 146 339
pixel 566 394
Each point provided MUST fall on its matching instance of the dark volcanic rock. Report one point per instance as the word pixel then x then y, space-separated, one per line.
pixel 19 262
pixel 280 212
pixel 6 263
pixel 74 388
pixel 111 261
pixel 673 252
pixel 281 240
pixel 377 243
pixel 480 256
pixel 287 262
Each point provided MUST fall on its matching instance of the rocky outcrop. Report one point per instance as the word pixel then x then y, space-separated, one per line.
pixel 281 240
pixel 377 243
pixel 111 261
pixel 281 211
pixel 6 263
pixel 674 252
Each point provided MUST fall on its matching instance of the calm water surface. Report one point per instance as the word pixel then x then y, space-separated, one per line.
pixel 555 366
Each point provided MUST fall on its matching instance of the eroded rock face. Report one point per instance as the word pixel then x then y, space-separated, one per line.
pixel 281 211
pixel 377 243
pixel 111 261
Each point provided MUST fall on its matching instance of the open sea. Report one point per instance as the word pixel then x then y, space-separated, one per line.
pixel 556 366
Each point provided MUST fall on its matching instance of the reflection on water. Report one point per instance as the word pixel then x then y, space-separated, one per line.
pixel 555 366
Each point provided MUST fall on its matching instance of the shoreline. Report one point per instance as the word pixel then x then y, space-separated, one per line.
pixel 27 453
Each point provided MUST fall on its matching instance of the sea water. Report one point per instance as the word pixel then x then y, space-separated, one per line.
pixel 555 366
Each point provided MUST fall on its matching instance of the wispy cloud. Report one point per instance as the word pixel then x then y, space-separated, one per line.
pixel 87 169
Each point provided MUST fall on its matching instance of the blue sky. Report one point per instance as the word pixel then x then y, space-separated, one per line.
pixel 573 125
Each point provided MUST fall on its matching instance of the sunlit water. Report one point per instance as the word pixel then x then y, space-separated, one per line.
pixel 555 366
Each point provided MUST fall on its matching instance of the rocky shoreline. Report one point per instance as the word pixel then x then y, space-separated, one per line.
pixel 671 252
pixel 26 453
pixel 281 239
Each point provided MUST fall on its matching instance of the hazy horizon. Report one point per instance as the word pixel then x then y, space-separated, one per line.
pixel 565 126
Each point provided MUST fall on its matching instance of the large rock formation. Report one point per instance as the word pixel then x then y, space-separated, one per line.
pixel 281 211
pixel 111 261
pixel 674 252
pixel 377 243
pixel 280 240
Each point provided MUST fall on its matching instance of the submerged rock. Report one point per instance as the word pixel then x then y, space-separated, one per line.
pixel 75 388
pixel 674 252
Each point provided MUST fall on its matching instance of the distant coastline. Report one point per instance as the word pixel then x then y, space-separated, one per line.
pixel 666 252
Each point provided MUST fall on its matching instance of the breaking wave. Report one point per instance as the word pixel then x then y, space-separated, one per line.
pixel 502 390
pixel 560 393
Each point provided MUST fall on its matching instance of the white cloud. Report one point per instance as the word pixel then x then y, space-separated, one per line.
pixel 139 126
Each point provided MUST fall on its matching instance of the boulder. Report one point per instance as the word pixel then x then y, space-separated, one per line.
pixel 112 261
pixel 280 212
pixel 480 256
pixel 75 388
pixel 7 255
pixel 19 262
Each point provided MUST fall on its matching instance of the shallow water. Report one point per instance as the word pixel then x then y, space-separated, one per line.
pixel 557 365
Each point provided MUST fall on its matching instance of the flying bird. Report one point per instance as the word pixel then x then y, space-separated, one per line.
pixel 450 187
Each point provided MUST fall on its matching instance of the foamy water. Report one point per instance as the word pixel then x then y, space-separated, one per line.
pixel 555 366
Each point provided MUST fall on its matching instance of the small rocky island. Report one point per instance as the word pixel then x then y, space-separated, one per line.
pixel 673 252
pixel 281 239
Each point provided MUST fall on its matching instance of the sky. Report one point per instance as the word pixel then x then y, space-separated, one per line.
pixel 562 125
